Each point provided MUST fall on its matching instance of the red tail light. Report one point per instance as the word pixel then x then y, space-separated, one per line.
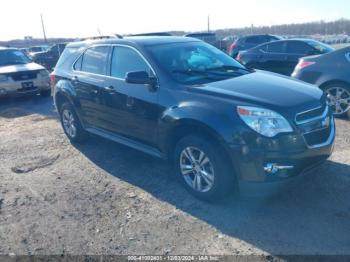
pixel 303 64
pixel 52 78
pixel 231 47
pixel 238 57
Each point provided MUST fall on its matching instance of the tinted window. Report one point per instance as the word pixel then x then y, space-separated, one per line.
pixel 195 62
pixel 320 47
pixel 67 55
pixel 255 40
pixel 124 60
pixel 296 47
pixel 275 47
pixel 95 60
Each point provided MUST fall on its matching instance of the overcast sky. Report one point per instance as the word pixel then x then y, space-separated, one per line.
pixel 73 18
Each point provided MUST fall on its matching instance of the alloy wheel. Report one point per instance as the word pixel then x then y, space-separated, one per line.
pixel 197 169
pixel 339 99
pixel 69 123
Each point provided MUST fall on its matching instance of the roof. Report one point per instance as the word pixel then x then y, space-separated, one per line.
pixel 136 40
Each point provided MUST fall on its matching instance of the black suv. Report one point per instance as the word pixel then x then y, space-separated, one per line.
pixel 49 58
pixel 226 128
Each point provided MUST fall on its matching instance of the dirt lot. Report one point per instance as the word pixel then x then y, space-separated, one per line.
pixel 102 198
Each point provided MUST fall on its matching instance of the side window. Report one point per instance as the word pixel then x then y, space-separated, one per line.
pixel 124 60
pixel 295 47
pixel 94 60
pixel 275 47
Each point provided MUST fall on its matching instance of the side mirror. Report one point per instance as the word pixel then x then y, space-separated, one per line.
pixel 141 78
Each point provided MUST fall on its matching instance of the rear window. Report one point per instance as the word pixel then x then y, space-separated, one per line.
pixel 95 60
pixel 321 47
pixel 67 57
pixel 255 40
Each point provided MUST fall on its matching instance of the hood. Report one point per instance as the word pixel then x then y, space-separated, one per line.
pixel 266 89
pixel 19 68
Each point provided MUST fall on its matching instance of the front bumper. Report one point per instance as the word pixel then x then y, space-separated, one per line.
pixel 16 88
pixel 254 161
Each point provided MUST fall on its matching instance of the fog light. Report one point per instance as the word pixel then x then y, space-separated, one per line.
pixel 271 168
pixel 2 91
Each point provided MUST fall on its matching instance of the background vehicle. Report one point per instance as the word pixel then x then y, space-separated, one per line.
pixel 209 38
pixel 153 34
pixel 331 72
pixel 35 49
pixel 20 76
pixel 281 56
pixel 224 126
pixel 49 58
pixel 247 42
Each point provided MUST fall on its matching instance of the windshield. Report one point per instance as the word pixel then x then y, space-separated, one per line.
pixel 13 57
pixel 196 62
pixel 321 47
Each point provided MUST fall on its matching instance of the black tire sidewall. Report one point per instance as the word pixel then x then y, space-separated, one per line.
pixel 224 180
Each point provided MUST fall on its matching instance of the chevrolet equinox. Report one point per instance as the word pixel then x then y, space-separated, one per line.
pixel 226 128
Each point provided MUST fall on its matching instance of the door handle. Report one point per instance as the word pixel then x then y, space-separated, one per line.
pixel 75 80
pixel 109 88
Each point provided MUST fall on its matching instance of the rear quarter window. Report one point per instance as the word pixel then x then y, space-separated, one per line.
pixel 67 58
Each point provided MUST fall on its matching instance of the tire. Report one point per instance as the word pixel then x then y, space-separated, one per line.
pixel 45 93
pixel 71 124
pixel 219 180
pixel 339 92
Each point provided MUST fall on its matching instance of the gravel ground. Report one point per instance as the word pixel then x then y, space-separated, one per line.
pixel 103 198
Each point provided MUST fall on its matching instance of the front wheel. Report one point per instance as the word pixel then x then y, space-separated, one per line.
pixel 338 95
pixel 202 169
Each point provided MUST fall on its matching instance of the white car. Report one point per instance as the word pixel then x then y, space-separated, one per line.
pixel 20 76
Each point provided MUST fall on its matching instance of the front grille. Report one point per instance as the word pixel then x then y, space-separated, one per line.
pixel 23 76
pixel 316 126
pixel 317 137
pixel 309 115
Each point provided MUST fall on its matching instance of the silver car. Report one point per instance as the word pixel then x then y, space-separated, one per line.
pixel 20 76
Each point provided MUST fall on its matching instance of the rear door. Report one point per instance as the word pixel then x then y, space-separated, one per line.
pixel 88 80
pixel 295 50
pixel 133 110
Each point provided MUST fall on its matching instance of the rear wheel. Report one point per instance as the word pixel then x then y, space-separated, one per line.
pixel 71 124
pixel 339 98
pixel 201 168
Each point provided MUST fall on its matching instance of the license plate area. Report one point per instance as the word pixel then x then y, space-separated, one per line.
pixel 27 86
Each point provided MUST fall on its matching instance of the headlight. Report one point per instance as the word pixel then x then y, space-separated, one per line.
pixel 44 73
pixel 264 121
pixel 3 78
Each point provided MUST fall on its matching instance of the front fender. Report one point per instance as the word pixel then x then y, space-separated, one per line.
pixel 216 120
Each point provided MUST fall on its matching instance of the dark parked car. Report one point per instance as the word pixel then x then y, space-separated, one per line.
pixel 281 56
pixel 209 38
pixel 248 42
pixel 226 128
pixel 152 34
pixel 331 72
pixel 49 58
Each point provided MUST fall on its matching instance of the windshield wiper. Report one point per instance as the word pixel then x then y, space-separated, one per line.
pixel 228 67
pixel 205 74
